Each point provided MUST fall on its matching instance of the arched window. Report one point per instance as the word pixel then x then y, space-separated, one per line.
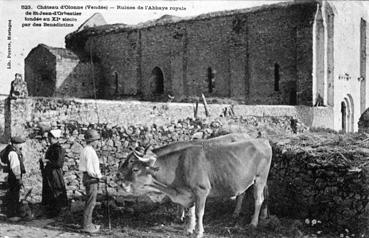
pixel 157 81
pixel 276 77
pixel 116 82
pixel 211 80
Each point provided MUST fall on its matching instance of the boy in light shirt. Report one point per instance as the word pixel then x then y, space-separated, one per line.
pixel 90 166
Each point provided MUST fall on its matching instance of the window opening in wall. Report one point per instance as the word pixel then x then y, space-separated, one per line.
pixel 157 76
pixel 44 78
pixel 293 95
pixel 115 76
pixel 211 80
pixel 276 77
pixel 344 116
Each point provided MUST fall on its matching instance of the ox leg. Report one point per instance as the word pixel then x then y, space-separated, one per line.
pixel 264 213
pixel 192 220
pixel 239 200
pixel 200 209
pixel 264 209
pixel 181 213
pixel 259 198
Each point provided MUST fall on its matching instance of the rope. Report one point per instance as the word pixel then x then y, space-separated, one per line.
pixel 98 122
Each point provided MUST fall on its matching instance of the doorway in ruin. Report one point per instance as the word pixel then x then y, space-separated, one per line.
pixel 344 116
pixel 45 86
pixel 116 83
pixel 157 81
pixel 347 114
pixel 211 79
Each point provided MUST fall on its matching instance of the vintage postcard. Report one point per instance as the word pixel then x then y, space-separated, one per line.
pixel 183 118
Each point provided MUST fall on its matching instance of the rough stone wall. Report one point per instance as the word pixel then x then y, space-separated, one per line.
pixel 280 37
pixel 208 47
pixel 329 188
pixel 125 113
pixel 138 125
pixel 76 78
pixel 117 53
pixel 162 47
pixel 40 72
pixel 326 182
pixel 241 49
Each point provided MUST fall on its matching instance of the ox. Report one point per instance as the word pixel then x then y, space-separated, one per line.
pixel 233 137
pixel 188 176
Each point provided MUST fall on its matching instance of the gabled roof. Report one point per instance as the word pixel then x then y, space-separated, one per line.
pixel 62 52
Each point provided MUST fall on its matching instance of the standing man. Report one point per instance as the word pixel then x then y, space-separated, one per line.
pixel 90 166
pixel 18 88
pixel 54 193
pixel 15 167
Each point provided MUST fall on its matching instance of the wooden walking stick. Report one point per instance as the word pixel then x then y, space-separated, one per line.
pixel 196 109
pixel 107 194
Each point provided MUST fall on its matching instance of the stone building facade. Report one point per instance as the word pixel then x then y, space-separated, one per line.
pixel 58 72
pixel 296 53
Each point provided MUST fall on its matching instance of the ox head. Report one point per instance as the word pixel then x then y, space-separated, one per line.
pixel 135 173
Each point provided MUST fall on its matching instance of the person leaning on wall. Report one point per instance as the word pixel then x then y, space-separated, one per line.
pixel 54 193
pixel 14 165
pixel 90 166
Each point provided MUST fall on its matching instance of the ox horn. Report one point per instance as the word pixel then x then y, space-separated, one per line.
pixel 147 148
pixel 149 160
pixel 138 154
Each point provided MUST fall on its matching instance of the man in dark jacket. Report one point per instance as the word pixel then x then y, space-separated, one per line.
pixel 13 159
pixel 54 194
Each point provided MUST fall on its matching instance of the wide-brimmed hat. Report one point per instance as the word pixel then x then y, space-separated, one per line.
pixel 92 135
pixel 56 133
pixel 17 140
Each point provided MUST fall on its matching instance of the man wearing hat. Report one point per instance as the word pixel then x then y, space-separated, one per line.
pixel 15 167
pixel 54 193
pixel 90 166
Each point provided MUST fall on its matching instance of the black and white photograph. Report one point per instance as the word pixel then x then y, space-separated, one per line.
pixel 184 118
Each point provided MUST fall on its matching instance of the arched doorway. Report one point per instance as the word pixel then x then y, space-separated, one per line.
pixel 347 114
pixel 350 102
pixel 157 81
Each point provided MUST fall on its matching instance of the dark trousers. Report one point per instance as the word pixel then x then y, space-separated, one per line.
pixel 13 198
pixel 91 194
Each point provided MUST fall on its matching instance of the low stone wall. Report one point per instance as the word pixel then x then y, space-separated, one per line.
pixel 323 180
pixel 116 141
pixel 304 183
pixel 124 113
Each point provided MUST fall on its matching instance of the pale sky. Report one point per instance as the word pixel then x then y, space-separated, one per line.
pixel 23 39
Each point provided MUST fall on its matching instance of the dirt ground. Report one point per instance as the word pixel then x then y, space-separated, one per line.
pixel 161 221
